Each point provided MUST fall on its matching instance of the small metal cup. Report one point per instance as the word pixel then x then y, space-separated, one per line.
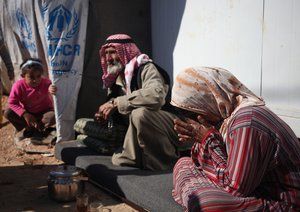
pixel 82 201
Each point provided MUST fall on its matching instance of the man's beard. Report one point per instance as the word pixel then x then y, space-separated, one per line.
pixel 115 67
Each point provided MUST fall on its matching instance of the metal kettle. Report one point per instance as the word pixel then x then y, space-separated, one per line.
pixel 65 182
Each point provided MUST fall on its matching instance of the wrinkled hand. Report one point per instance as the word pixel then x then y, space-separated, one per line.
pixel 190 130
pixel 31 121
pixel 52 89
pixel 104 112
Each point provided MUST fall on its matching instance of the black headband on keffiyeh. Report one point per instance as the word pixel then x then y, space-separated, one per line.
pixel 120 41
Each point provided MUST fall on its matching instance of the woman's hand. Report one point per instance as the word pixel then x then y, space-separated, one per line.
pixel 190 130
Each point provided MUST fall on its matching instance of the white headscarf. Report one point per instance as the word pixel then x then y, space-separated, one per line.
pixel 213 92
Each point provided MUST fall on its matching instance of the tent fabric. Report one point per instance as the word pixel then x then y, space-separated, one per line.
pixel 20 32
pixel 64 40
pixel 104 18
pixel 5 82
pixel 53 31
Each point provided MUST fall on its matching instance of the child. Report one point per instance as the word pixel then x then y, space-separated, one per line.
pixel 31 109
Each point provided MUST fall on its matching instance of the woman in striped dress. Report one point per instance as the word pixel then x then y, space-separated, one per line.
pixel 245 158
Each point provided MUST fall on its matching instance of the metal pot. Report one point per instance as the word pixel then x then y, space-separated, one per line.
pixel 65 182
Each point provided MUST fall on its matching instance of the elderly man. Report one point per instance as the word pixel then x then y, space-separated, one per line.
pixel 139 88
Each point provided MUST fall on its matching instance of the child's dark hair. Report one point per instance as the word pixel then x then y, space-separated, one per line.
pixel 31 64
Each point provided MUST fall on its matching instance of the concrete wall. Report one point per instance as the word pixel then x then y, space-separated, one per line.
pixel 166 18
pixel 258 41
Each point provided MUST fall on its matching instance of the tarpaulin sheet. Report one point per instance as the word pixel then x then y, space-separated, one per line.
pixel 64 29
pixel 53 31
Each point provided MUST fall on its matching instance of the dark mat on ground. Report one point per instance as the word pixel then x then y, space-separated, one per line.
pixel 151 190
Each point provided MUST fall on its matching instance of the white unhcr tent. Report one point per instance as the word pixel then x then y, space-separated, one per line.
pixel 53 31
pixel 67 35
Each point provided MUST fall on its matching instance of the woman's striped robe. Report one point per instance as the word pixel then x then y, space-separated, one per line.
pixel 256 168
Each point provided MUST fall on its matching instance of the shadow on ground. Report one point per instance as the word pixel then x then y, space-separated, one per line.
pixel 24 188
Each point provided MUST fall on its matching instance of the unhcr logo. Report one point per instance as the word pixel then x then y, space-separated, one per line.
pixel 62 28
pixel 62 24
pixel 25 31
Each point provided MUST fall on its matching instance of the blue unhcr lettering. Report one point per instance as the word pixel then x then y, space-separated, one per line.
pixel 60 63
pixel 65 50
pixel 29 46
pixel 66 73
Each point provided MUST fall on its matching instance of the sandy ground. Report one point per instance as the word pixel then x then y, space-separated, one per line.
pixel 23 179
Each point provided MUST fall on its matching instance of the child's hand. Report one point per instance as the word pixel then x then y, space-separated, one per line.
pixel 31 120
pixel 52 89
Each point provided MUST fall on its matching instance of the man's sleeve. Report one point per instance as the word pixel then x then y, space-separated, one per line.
pixel 151 95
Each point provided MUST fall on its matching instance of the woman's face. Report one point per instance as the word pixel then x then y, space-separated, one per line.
pixel 213 120
pixel 33 77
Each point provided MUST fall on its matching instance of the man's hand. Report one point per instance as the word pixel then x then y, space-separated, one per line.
pixel 190 130
pixel 99 117
pixel 105 111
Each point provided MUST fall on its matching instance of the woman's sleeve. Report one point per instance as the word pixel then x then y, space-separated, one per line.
pixel 250 152
pixel 241 168
pixel 210 155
